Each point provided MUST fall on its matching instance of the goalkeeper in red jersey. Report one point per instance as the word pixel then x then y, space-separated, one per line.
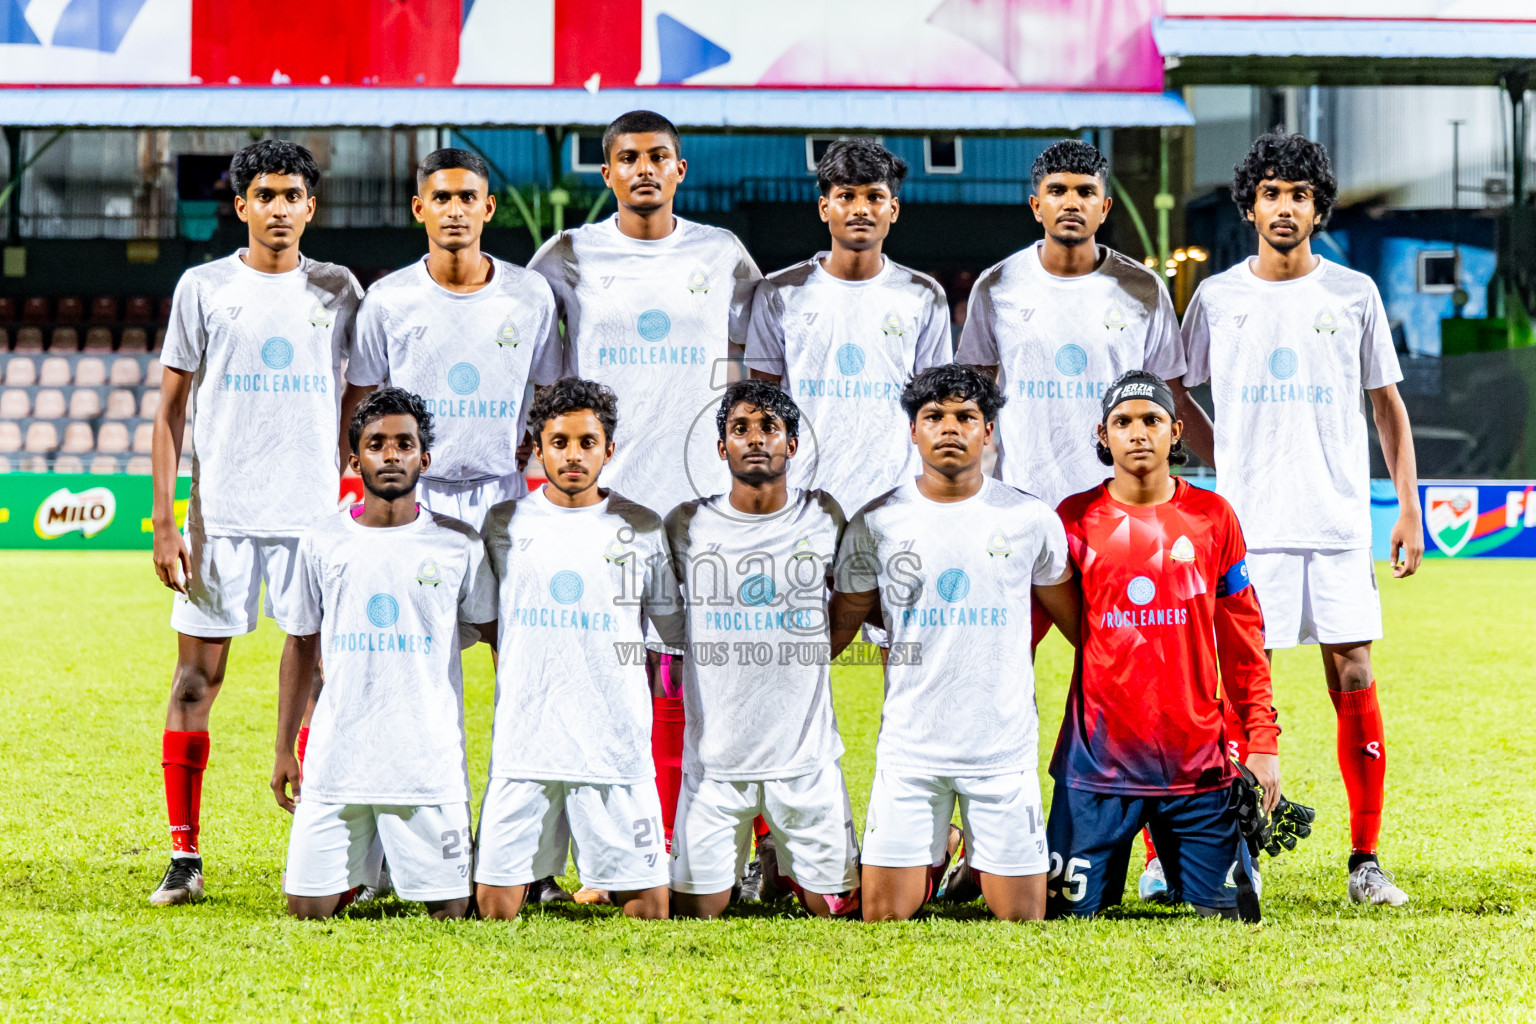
pixel 1166 599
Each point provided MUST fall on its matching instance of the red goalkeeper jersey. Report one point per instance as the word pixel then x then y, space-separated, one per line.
pixel 1165 599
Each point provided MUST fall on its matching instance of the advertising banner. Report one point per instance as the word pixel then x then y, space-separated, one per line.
pixel 1479 518
pixel 80 513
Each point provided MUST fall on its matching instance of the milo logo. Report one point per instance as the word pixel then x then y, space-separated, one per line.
pixel 64 511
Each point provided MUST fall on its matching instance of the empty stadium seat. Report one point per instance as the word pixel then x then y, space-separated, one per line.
pixel 152 373
pixel 112 439
pixel 78 437
pixel 84 404
pixel 149 405
pixel 121 405
pixel 90 372
pixel 20 372
pixel 29 339
pixel 70 312
pixel 16 405
pixel 139 465
pixel 159 342
pixel 35 311
pixel 32 464
pixel 103 310
pixel 135 339
pixel 5 464
pixel 54 373
pixel 64 339
pixel 69 464
pixel 126 373
pixel 42 438
pixel 163 315
pixel 5 339
pixel 7 310
pixel 49 404
pixel 144 439
pixel 102 465
pixel 98 339
pixel 137 310
pixel 10 436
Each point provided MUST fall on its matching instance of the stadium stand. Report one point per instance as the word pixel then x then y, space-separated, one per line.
pixel 29 339
pixel 69 312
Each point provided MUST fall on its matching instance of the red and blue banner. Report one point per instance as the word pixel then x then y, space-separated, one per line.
pixel 1479 518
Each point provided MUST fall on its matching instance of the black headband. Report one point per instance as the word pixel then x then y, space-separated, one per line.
pixel 1151 389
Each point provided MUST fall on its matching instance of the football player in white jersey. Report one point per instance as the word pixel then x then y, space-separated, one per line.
pixel 655 307
pixel 466 331
pixel 1056 322
pixel 753 566
pixel 1288 341
pixel 253 359
pixel 845 330
pixel 382 590
pixel 582 573
pixel 953 558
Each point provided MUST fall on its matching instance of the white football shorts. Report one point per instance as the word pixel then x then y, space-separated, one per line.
pixel 332 848
pixel 809 816
pixel 1316 597
pixel 527 828
pixel 469 502
pixel 227 573
pixel 907 825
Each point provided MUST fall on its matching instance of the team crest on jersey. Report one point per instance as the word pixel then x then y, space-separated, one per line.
pixel 1324 323
pixel 506 334
pixel 428 574
pixel 802 549
pixel 698 281
pixel 892 324
pixel 321 317
pixel 1182 550
pixel 616 553
pixel 1114 316
pixel 997 544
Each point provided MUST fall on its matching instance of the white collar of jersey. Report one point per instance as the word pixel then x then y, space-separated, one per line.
pixel 647 244
pixel 1311 275
pixel 565 510
pixel 821 270
pixel 1098 266
pixel 479 293
pixel 239 258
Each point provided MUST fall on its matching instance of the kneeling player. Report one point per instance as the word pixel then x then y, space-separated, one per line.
pixel 382 591
pixel 581 570
pixel 953 557
pixel 1143 742
pixel 761 737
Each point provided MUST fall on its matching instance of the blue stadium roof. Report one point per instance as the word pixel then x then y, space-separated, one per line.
pixel 912 110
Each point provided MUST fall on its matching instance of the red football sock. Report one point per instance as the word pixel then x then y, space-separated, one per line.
pixel 759 826
pixel 667 751
pixel 184 755
pixel 303 742
pixel 1146 837
pixel 1362 749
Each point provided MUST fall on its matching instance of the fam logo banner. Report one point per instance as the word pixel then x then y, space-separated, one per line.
pixel 56 42
pixel 1479 518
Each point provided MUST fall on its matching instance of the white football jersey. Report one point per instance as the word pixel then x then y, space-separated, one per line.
pixel 387 603
pixel 1059 342
pixel 955 583
pixel 1287 361
pixel 655 321
pixel 470 357
pixel 265 351
pixel 845 350
pixel 754 584
pixel 576 590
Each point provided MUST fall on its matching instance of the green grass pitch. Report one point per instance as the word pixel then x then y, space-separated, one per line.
pixel 86 655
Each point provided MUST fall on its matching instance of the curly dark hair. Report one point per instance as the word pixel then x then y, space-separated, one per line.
pixel 452 159
pixel 273 156
pixel 952 381
pixel 572 394
pixel 764 396
pixel 640 122
pixel 859 162
pixel 1289 158
pixel 391 402
pixel 1069 156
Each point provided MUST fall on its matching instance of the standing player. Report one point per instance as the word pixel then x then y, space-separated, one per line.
pixel 582 572
pixel 253 355
pixel 953 558
pixel 654 307
pixel 1056 322
pixel 1165 598
pixel 381 590
pixel 1288 340
pixel 845 330
pixel 468 332
pixel 762 739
